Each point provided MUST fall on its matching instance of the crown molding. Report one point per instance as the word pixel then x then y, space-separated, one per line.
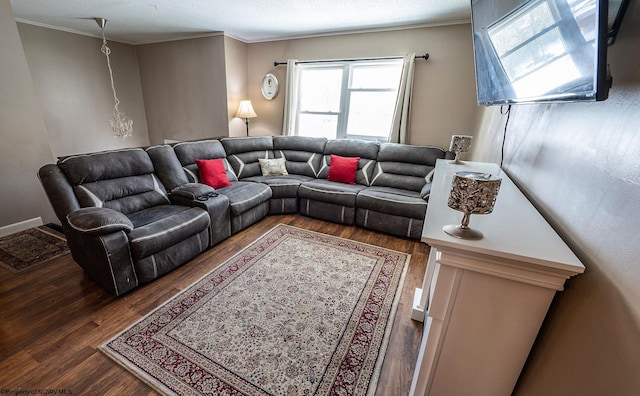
pixel 264 39
pixel 354 31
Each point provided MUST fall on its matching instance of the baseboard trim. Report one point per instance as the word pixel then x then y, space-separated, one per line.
pixel 21 226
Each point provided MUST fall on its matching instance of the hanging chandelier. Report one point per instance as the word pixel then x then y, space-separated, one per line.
pixel 121 125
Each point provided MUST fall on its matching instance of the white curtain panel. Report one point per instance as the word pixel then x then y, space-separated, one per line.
pixel 290 98
pixel 402 111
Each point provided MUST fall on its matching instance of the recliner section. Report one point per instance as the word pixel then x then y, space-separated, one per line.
pixel 247 202
pixel 120 224
pixel 132 215
pixel 399 191
pixel 334 201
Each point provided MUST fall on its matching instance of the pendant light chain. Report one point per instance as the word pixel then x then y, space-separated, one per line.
pixel 121 125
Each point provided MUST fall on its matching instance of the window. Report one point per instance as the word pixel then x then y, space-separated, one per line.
pixel 353 100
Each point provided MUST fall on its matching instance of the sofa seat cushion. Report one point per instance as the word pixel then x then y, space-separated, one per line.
pixel 330 192
pixel 282 186
pixel 392 201
pixel 162 226
pixel 244 195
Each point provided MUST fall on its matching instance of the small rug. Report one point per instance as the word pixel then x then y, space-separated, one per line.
pixel 294 313
pixel 26 249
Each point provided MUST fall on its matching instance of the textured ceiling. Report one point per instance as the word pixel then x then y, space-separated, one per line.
pixel 144 21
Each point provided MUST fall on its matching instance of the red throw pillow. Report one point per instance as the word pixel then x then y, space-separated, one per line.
pixel 212 173
pixel 343 169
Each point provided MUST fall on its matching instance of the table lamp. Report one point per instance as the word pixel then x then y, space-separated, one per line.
pixel 459 144
pixel 245 110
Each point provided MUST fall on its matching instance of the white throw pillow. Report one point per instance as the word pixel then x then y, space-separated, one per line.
pixel 273 167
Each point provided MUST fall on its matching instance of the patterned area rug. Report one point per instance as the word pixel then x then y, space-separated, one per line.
pixel 294 313
pixel 26 249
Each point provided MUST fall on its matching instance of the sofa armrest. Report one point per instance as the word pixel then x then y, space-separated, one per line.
pixel 97 238
pixel 193 191
pixel 425 192
pixel 216 205
pixel 98 221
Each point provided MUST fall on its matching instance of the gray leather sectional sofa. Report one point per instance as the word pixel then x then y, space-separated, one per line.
pixel 132 215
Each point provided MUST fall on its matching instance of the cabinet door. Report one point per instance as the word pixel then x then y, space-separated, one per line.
pixel 442 291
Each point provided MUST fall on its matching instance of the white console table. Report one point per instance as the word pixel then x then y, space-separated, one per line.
pixel 483 301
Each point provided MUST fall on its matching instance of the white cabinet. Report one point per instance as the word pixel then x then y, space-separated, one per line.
pixel 483 301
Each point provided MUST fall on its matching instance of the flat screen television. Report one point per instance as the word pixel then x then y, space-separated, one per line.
pixel 529 51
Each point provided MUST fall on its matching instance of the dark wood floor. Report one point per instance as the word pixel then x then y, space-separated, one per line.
pixel 53 317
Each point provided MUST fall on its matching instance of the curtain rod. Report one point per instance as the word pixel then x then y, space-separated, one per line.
pixel 425 57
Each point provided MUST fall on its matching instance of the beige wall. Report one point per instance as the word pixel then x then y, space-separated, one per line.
pixel 25 146
pixel 444 101
pixel 235 55
pixel 184 87
pixel 578 162
pixel 74 90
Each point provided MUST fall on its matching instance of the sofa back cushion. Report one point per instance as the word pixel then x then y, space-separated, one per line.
pixel 189 152
pixel 243 154
pixel 367 151
pixel 122 180
pixel 167 166
pixel 405 166
pixel 303 155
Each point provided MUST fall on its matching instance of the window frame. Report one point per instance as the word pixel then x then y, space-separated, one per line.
pixel 346 91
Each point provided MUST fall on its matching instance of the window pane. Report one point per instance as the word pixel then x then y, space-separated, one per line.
pixel 320 89
pixel 371 113
pixel 363 108
pixel 378 76
pixel 318 125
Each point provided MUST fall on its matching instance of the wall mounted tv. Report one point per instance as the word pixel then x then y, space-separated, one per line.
pixel 529 51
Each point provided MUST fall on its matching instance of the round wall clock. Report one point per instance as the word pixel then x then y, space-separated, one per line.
pixel 270 86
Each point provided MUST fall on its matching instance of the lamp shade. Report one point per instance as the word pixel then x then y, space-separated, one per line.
pixel 245 110
pixel 460 143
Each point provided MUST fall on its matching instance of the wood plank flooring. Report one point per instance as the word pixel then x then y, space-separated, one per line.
pixel 53 317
